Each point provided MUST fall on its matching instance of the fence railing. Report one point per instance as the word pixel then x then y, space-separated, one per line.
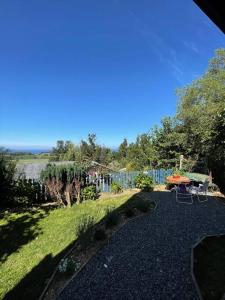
pixel 127 179
pixel 39 192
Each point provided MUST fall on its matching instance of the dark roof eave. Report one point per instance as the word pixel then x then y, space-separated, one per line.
pixel 215 10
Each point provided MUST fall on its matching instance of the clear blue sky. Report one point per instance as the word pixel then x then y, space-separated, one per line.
pixel 68 68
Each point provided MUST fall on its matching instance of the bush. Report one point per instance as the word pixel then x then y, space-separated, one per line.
pixel 144 182
pixel 179 172
pixel 68 266
pixel 86 222
pixel 213 188
pixel 7 172
pixel 100 235
pixel 89 193
pixel 112 220
pixel 116 188
pixel 27 192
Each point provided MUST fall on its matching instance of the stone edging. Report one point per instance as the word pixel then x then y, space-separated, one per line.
pixel 71 250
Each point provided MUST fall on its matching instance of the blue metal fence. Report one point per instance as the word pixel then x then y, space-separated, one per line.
pixel 126 179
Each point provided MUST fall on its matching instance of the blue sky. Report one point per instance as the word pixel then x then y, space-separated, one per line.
pixel 68 68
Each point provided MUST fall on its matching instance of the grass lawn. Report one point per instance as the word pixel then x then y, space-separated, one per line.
pixel 32 243
pixel 209 267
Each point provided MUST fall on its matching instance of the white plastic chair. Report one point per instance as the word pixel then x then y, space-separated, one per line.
pixel 181 196
pixel 202 189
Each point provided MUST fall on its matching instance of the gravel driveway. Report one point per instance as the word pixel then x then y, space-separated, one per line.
pixel 150 257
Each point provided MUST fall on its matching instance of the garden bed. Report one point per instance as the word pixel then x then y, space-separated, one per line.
pixel 86 247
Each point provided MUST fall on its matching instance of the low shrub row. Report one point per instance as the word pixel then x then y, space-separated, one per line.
pixel 88 231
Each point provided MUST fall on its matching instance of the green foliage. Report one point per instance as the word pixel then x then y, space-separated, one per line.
pixel 168 143
pixel 122 152
pixel 213 188
pixel 144 182
pixel 7 172
pixel 27 192
pixel 68 266
pixel 86 222
pixel 99 235
pixel 201 115
pixel 64 182
pixel 116 188
pixel 85 153
pixel 66 173
pixel 89 193
pixel 179 172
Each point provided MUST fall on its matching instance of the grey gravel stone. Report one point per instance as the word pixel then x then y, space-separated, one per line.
pixel 151 254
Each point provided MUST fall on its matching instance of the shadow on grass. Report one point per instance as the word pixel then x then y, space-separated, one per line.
pixel 32 285
pixel 18 231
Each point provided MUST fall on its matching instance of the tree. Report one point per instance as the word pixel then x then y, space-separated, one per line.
pixel 64 182
pixel 201 113
pixel 122 153
pixel 168 142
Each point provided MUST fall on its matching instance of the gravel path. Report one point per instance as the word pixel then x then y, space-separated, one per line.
pixel 150 257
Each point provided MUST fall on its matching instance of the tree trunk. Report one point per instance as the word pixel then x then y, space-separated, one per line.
pixel 68 200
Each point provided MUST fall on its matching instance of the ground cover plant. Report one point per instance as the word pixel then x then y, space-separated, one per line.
pixel 116 188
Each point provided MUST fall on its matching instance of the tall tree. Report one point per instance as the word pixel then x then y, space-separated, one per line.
pixel 201 113
pixel 122 152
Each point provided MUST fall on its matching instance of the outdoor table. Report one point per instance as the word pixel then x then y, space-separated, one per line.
pixel 177 179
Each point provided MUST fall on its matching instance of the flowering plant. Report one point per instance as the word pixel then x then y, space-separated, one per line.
pixel 68 265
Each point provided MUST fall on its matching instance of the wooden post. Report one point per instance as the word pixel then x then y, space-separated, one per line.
pixel 181 162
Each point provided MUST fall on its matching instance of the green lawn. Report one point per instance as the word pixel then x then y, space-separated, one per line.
pixel 32 242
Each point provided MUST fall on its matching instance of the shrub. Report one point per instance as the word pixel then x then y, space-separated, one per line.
pixel 112 220
pixel 64 182
pixel 129 212
pixel 213 188
pixel 116 188
pixel 142 205
pixel 27 192
pixel 89 193
pixel 68 266
pixel 179 172
pixel 100 235
pixel 7 172
pixel 85 223
pixel 144 182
